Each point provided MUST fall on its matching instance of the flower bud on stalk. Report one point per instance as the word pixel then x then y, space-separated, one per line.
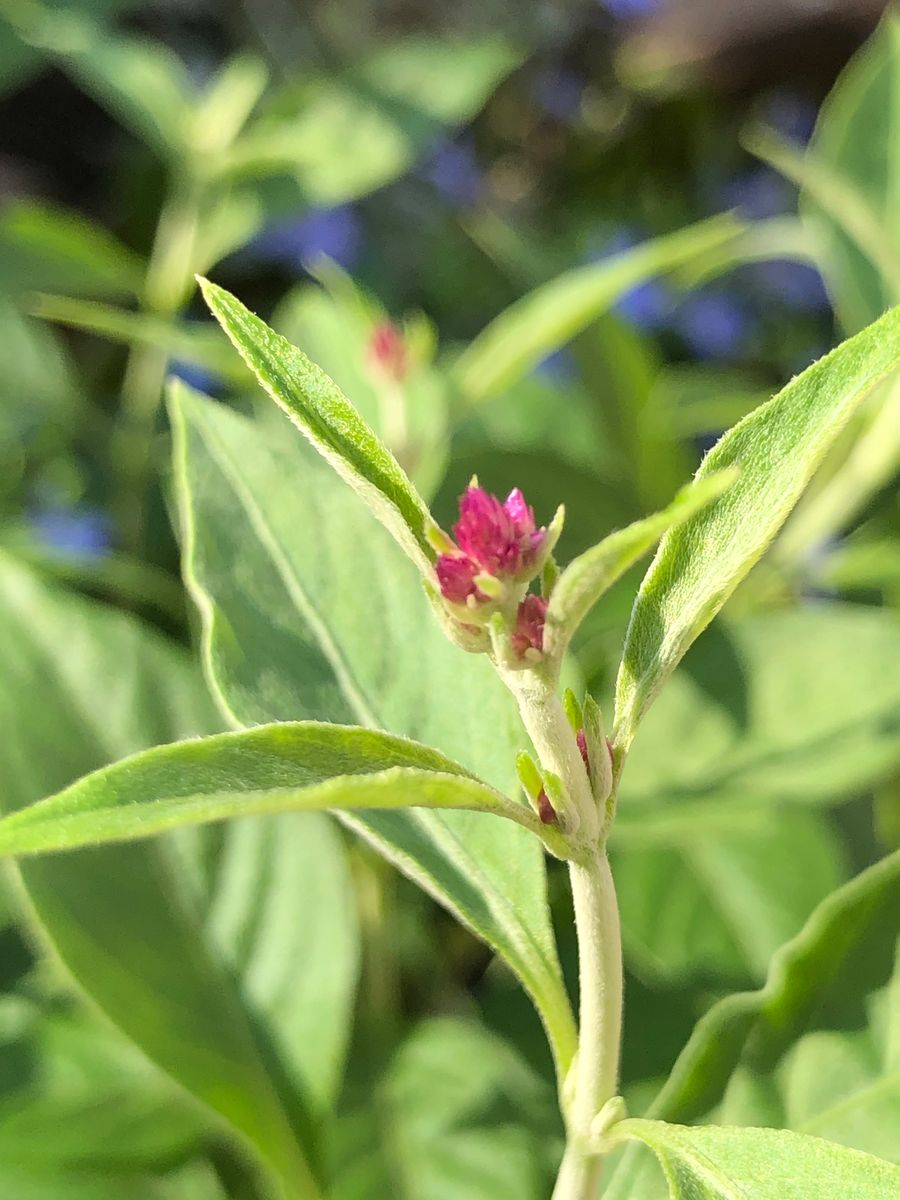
pixel 498 549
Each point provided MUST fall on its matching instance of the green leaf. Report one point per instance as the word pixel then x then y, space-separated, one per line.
pixel 711 891
pixel 83 1098
pixel 814 1049
pixel 249 880
pixel 197 343
pixel 820 981
pixel 327 418
pixel 341 137
pixel 54 248
pixel 855 141
pixel 698 565
pixel 727 1163
pixel 457 1116
pixel 309 610
pixel 119 917
pixel 553 313
pixel 139 81
pixel 750 717
pixel 275 768
pixel 587 577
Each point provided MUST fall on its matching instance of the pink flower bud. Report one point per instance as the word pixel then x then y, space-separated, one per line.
pixel 529 630
pixel 387 352
pixel 546 811
pixel 456 575
pixel 501 537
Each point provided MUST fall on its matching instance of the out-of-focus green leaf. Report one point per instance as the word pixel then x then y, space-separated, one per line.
pixel 84 1099
pixel 698 565
pixel 139 81
pixel 710 892
pixel 592 573
pixel 334 324
pixel 342 137
pixel 38 385
pixel 330 422
pixel 553 313
pixel 715 1162
pixel 310 610
pixel 194 1182
pixel 274 768
pixel 793 706
pixel 119 917
pixel 457 1116
pixel 812 1049
pixel 696 399
pixel 200 342
pixel 855 144
pixel 53 249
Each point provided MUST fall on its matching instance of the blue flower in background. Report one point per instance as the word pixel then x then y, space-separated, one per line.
pixel 454 170
pixel 629 10
pixel 558 92
pixel 714 325
pixel 195 376
pixel 799 286
pixel 647 306
pixel 758 194
pixel 79 531
pixel 558 367
pixel 296 242
pixel 792 115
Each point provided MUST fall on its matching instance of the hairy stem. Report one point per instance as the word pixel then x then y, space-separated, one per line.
pixel 596 1070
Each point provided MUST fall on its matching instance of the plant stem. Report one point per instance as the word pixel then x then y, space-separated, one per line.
pixel 600 1020
pixel 595 1073
pixel 166 287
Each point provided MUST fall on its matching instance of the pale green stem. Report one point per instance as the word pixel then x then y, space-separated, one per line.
pixel 166 287
pixel 599 1021
pixel 595 1073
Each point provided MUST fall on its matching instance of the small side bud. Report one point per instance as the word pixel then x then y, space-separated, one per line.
pixel 598 750
pixel 546 811
pixel 529 776
pixel 573 710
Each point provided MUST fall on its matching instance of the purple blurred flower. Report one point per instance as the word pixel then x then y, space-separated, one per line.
pixel 195 376
pixel 335 232
pixel 456 173
pixel 629 10
pixel 799 286
pixel 758 194
pixel 713 324
pixel 557 367
pixel 558 92
pixel 82 532
pixel 647 306
pixel 792 115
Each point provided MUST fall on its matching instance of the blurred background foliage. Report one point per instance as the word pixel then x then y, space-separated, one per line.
pixel 698 198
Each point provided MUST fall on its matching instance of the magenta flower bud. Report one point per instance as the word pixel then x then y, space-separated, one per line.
pixel 546 811
pixel 387 352
pixel 529 630
pixel 456 575
pixel 502 538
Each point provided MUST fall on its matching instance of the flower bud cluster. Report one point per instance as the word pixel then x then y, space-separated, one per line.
pixel 498 550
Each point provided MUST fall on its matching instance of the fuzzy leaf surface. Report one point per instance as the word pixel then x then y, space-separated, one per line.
pixel 271 769
pixel 310 611
pixel 698 565
pixel 326 417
